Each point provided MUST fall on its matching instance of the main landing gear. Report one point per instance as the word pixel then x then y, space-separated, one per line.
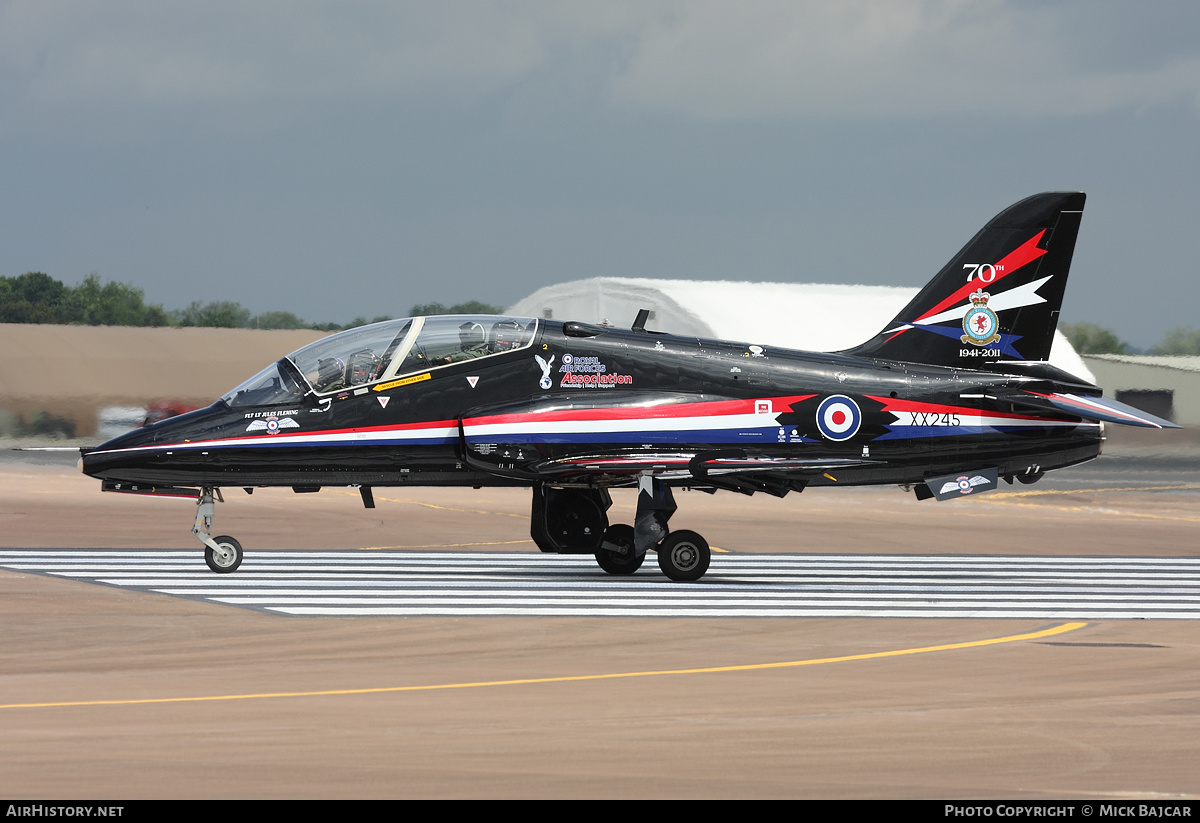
pixel 564 521
pixel 684 556
pixel 575 521
pixel 222 554
pixel 620 558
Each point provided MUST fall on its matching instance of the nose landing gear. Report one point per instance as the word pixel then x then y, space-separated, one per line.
pixel 222 554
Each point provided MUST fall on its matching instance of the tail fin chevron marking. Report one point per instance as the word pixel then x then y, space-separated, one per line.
pixel 1016 270
pixel 1026 253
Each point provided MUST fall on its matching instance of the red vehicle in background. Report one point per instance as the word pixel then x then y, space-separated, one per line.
pixel 163 409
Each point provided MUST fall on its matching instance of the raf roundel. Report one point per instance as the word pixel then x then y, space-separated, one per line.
pixel 838 417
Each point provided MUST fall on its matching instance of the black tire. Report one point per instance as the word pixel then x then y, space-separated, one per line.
pixel 684 556
pixel 614 563
pixel 216 563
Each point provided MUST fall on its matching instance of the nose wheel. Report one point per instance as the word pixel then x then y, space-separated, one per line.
pixel 226 557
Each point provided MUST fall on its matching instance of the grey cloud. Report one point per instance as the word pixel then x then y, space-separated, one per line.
pixel 885 58
pixel 765 59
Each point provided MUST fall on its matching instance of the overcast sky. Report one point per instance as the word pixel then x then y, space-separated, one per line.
pixel 354 158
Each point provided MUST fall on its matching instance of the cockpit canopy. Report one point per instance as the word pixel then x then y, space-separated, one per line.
pixel 382 351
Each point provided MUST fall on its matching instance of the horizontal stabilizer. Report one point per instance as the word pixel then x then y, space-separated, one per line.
pixel 1092 408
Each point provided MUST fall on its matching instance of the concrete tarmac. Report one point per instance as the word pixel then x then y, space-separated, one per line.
pixel 174 698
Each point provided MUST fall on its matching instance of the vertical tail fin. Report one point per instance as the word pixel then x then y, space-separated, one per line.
pixel 998 298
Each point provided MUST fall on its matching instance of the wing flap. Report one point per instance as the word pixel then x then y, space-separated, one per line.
pixel 684 465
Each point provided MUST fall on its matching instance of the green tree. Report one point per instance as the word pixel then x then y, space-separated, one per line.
pixel 470 307
pixel 33 297
pixel 112 304
pixel 277 320
pixel 221 314
pixel 1179 341
pixel 38 287
pixel 1088 338
pixel 427 308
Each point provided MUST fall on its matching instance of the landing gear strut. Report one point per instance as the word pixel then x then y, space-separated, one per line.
pixel 575 521
pixel 222 554
pixel 682 556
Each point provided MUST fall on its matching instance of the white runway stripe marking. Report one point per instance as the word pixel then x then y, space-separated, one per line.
pixel 422 583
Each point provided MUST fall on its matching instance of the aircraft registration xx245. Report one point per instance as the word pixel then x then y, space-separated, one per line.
pixel 953 395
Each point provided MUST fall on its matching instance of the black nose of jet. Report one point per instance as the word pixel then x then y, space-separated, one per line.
pixel 124 451
pixel 141 455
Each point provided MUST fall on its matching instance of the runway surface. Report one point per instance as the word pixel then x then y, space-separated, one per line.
pixel 151 683
pixel 463 584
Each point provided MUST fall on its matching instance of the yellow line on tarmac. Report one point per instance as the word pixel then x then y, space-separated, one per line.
pixel 969 644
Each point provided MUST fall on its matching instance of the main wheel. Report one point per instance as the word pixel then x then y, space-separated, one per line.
pixel 228 559
pixel 684 556
pixel 614 563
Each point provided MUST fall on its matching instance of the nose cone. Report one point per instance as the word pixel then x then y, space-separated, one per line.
pixel 153 454
pixel 124 451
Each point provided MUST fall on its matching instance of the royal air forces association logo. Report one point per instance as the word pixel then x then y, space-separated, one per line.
pixel 980 323
pixel 545 365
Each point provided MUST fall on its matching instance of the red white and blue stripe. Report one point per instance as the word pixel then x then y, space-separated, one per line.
pixel 717 421
pixel 431 433
pixel 913 419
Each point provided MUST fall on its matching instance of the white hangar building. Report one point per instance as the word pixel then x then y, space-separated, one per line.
pixel 806 316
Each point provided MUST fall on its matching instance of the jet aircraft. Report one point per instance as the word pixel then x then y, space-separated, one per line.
pixel 951 397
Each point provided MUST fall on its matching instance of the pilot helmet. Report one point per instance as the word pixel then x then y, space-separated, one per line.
pixel 470 334
pixel 329 371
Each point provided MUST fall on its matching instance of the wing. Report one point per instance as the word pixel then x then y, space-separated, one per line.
pixel 709 441
pixel 698 465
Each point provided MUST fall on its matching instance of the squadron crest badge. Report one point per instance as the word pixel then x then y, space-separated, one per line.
pixel 980 323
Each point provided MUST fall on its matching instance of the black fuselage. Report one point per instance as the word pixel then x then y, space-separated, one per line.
pixel 571 407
